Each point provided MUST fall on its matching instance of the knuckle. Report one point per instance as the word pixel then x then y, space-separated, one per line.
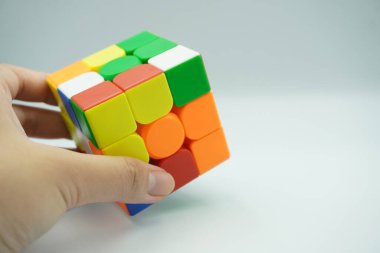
pixel 135 177
pixel 66 179
pixel 3 67
pixel 4 71
pixel 7 79
pixel 70 194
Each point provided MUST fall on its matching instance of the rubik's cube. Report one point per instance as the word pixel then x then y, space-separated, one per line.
pixel 145 97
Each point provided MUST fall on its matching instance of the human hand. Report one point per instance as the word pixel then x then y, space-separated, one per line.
pixel 38 183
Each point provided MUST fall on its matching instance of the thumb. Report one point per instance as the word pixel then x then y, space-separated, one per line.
pixel 87 179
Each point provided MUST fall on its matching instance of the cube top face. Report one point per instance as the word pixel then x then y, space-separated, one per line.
pixel 96 95
pixel 145 97
pixel 68 73
pixel 136 76
pixel 98 59
pixel 117 66
pixel 173 57
pixel 131 44
pixel 80 83
pixel 153 48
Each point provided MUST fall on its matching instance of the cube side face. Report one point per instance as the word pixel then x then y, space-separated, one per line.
pixel 185 72
pixel 188 81
pixel 84 125
pixel 210 151
pixel 164 136
pixel 148 98
pixel 199 117
pixel 68 108
pixel 134 209
pixel 182 166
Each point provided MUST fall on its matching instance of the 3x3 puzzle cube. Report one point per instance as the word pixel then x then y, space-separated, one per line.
pixel 148 98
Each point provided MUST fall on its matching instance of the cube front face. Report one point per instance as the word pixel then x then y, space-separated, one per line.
pixel 148 98
pixel 110 121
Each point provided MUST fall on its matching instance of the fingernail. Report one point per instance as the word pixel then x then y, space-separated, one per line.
pixel 161 183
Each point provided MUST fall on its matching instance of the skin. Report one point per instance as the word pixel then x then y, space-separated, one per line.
pixel 47 181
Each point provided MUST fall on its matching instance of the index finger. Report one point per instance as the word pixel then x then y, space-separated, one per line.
pixel 25 84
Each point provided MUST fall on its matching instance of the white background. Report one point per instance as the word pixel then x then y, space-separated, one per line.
pixel 297 87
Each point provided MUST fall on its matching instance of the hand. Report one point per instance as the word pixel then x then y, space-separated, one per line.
pixel 38 183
